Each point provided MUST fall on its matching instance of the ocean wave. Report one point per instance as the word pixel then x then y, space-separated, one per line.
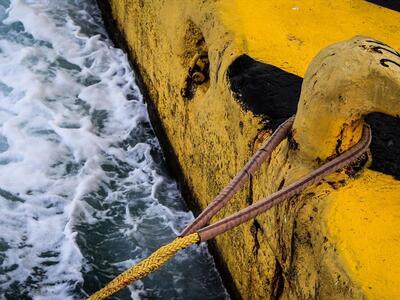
pixel 82 196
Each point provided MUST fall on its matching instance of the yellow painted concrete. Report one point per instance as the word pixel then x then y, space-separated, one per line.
pixel 365 227
pixel 289 33
pixel 308 244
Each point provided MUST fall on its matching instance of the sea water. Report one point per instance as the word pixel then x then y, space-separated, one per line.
pixel 84 193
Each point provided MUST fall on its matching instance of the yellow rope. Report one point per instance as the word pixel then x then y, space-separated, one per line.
pixel 146 266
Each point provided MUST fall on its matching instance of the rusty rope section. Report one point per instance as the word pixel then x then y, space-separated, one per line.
pixel 162 255
pixel 146 266
pixel 298 186
pixel 238 181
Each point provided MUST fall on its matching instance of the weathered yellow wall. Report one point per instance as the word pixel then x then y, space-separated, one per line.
pixel 365 230
pixel 328 243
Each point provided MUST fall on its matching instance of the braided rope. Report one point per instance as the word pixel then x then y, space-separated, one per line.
pixel 146 266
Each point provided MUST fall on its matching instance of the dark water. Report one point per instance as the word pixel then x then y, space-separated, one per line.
pixel 84 193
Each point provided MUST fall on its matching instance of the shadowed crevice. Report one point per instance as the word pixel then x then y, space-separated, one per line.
pixel 390 4
pixel 385 146
pixel 264 89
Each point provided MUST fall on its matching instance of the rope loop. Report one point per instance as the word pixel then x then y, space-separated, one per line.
pixel 197 232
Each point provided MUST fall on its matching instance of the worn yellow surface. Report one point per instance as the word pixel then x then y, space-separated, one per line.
pixel 364 221
pixel 315 245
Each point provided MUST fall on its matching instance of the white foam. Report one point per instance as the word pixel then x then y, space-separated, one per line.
pixel 53 147
pixel 45 129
